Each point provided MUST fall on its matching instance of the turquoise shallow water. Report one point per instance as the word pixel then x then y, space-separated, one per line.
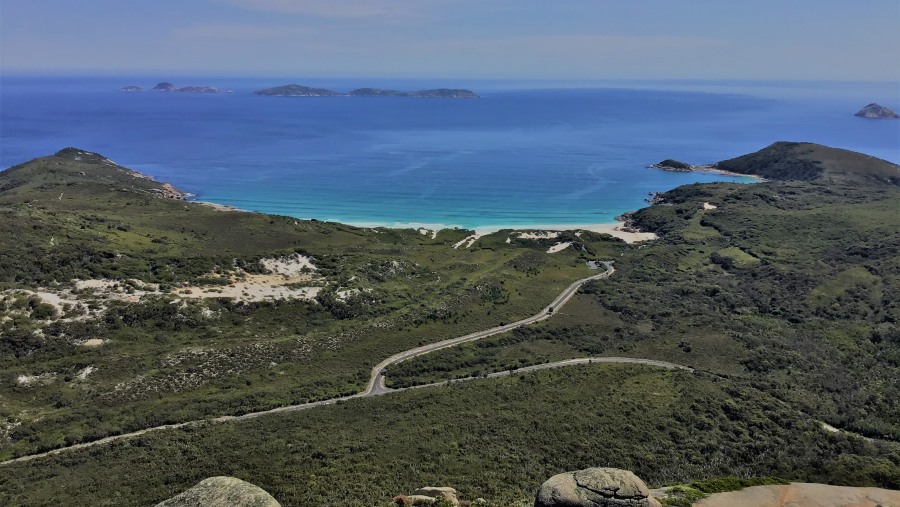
pixel 517 156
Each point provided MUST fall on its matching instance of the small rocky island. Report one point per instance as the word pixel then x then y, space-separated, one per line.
pixel 169 87
pixel 131 89
pixel 673 165
pixel 877 111
pixel 295 90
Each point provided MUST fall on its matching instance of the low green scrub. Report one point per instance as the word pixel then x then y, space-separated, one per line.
pixel 499 439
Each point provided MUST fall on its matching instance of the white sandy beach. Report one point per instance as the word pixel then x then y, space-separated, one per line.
pixel 614 229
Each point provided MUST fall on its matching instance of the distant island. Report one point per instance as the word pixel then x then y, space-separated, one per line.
pixel 877 111
pixel 295 90
pixel 169 87
pixel 132 89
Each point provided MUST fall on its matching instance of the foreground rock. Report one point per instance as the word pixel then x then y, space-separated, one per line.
pixel 429 495
pixel 595 487
pixel 222 492
pixel 876 111
pixel 803 495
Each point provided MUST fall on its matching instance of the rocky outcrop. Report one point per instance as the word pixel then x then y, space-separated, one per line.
pixel 876 111
pixel 222 491
pixel 131 89
pixel 595 487
pixel 429 495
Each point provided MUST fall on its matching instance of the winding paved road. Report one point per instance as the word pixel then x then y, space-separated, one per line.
pixel 376 387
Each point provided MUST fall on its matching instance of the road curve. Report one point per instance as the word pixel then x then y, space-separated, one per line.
pixel 376 387
pixel 376 379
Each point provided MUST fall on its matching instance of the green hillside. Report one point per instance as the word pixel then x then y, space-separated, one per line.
pixel 813 162
pixel 782 297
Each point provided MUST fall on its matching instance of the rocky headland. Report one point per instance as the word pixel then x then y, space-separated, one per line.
pixel 295 90
pixel 877 112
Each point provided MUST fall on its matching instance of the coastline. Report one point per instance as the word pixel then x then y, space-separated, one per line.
pixel 615 229
pixel 710 169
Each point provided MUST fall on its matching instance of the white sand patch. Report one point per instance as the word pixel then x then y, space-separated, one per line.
pixel 559 247
pixel 220 207
pixel 611 229
pixel 508 240
pixel 829 428
pixel 707 205
pixel 291 266
pixel 28 380
pixel 538 235
pixel 93 342
pixel 468 241
pixel 63 301
pixel 257 288
pixel 428 232
pixel 290 277
pixel 83 374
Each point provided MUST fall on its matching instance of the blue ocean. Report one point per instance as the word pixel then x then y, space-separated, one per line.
pixel 523 154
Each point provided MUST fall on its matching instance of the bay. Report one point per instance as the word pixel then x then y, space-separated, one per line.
pixel 523 154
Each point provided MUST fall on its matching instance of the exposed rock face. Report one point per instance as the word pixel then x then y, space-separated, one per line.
pixel 428 495
pixel 876 111
pixel 595 487
pixel 437 492
pixel 164 87
pixel 222 492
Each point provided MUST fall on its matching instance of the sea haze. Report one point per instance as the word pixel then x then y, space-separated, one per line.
pixel 517 156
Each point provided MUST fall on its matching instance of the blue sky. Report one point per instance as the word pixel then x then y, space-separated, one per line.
pixel 503 39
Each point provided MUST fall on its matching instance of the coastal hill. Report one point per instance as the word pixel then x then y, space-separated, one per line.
pixel 812 162
pixel 295 90
pixel 877 111
pixel 73 172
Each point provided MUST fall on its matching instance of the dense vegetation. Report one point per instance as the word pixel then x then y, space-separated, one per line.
pixel 809 162
pixel 783 297
pixel 498 439
pixel 791 286
pixel 165 359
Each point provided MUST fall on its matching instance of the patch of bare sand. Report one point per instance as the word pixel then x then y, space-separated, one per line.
pixel 804 495
pixel 621 231
pixel 468 241
pixel 559 247
pixel 290 277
